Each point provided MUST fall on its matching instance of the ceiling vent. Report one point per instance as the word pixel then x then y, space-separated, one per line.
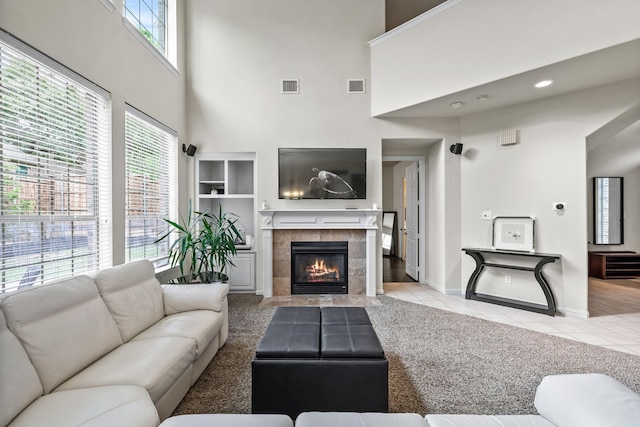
pixel 356 86
pixel 289 86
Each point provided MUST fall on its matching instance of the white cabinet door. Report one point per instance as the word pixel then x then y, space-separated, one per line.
pixel 242 276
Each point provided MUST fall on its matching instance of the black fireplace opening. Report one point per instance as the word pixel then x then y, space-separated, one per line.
pixel 319 267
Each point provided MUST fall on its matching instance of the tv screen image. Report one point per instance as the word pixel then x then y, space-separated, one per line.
pixel 322 173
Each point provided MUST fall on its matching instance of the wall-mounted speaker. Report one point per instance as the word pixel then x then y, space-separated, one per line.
pixel 190 150
pixel 456 148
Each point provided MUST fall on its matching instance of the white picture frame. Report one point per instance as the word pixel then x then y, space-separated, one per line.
pixel 513 233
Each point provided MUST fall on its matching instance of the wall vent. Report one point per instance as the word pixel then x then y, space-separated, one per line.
pixel 289 86
pixel 356 86
pixel 509 137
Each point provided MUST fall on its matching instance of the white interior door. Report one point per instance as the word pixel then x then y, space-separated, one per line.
pixel 412 213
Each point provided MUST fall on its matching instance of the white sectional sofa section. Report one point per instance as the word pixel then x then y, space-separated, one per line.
pixel 575 400
pixel 585 400
pixel 115 349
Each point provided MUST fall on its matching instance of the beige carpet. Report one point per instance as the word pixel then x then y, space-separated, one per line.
pixel 439 362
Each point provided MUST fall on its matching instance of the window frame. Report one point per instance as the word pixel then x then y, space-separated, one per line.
pixel 49 104
pixel 169 58
pixel 169 177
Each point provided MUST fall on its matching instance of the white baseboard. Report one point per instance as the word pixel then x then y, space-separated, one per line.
pixel 571 312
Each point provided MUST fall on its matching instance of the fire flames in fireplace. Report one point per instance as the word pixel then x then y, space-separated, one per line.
pixel 319 267
pixel 319 271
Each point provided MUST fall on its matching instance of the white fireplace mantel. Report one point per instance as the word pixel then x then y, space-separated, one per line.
pixel 328 219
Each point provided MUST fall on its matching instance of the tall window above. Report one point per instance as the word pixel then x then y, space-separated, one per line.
pixel 154 23
pixel 55 160
pixel 151 164
pixel 150 17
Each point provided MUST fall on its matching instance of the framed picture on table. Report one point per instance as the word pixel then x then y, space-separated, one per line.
pixel 514 233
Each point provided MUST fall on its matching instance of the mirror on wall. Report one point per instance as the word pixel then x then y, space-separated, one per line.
pixel 388 233
pixel 608 211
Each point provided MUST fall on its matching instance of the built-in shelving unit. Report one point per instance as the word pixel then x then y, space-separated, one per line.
pixel 229 180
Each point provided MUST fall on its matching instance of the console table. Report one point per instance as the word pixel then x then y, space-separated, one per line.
pixel 481 264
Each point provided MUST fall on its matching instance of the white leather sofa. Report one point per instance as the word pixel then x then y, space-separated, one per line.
pixel 585 400
pixel 116 349
pixel 577 400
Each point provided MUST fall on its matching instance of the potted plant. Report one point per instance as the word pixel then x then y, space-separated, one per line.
pixel 204 246
pixel 217 245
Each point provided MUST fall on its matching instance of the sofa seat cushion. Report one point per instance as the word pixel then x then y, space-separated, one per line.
pixel 64 327
pixel 355 419
pixel 155 364
pixel 228 420
pixel 459 420
pixel 201 325
pixel 587 400
pixel 92 407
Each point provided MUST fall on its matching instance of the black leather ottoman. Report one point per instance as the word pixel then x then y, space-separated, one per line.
pixel 313 359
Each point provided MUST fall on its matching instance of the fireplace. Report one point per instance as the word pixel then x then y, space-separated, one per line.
pixel 319 267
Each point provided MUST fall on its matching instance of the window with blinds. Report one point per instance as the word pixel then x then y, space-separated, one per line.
pixel 151 162
pixel 55 159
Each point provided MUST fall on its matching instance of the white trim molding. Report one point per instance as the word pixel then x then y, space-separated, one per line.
pixel 415 21
pixel 155 52
pixel 313 219
pixel 108 5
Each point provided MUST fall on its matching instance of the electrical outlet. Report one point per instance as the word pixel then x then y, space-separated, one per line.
pixel 507 278
pixel 486 214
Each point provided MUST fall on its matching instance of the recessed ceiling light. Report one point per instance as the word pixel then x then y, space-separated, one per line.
pixel 482 97
pixel 543 83
pixel 457 104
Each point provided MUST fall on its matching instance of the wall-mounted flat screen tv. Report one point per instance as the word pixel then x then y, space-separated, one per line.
pixel 322 173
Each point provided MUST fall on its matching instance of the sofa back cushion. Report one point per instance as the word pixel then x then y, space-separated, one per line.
pixel 587 400
pixel 63 326
pixel 20 384
pixel 133 295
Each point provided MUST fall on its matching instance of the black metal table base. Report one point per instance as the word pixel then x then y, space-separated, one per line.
pixel 481 264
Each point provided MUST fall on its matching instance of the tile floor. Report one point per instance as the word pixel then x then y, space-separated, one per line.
pixel 614 310
pixel 320 300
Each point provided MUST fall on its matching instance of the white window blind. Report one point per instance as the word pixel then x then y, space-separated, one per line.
pixel 602 211
pixel 151 162
pixel 55 159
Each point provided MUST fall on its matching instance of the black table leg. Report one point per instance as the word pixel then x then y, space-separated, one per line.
pixel 473 280
pixel 537 272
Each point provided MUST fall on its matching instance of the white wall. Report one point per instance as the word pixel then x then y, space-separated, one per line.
pixel 239 50
pixel 549 164
pixel 619 156
pixel 387 188
pixel 92 41
pixel 430 139
pixel 437 57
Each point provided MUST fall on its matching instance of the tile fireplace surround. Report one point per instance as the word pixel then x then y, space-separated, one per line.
pixel 281 226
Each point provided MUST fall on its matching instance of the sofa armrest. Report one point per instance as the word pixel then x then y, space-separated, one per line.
pixel 181 298
pixel 587 400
